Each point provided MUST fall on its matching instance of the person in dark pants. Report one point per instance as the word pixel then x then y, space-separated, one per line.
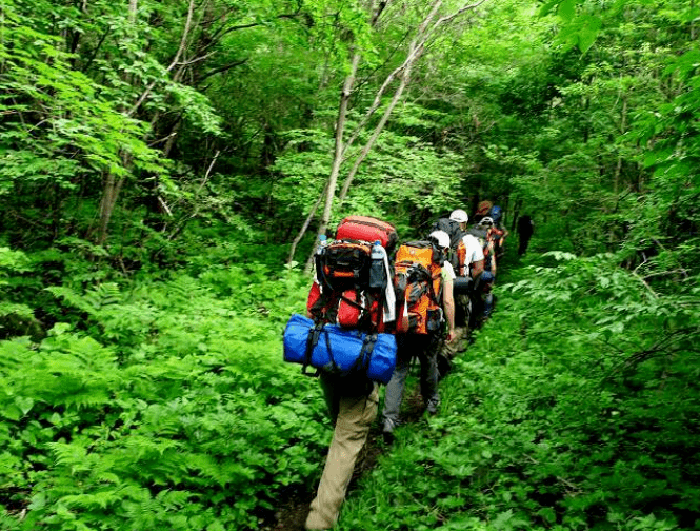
pixel 526 228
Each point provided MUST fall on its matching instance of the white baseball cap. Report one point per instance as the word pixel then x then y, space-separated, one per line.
pixel 459 215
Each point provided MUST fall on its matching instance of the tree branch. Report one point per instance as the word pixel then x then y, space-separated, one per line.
pixel 221 69
pixel 176 60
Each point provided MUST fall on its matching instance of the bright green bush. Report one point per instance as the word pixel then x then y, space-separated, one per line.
pixel 159 406
pixel 576 408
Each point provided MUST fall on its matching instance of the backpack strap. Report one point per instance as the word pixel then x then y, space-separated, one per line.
pixel 311 342
pixel 362 362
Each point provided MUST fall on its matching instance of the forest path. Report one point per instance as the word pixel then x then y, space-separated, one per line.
pixel 291 515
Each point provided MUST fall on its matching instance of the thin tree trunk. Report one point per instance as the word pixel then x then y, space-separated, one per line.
pixel 338 156
pixel 377 131
pixel 133 10
pixel 307 221
pixel 110 193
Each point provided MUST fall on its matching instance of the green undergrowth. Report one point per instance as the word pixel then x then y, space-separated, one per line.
pixel 164 404
pixel 159 405
pixel 576 408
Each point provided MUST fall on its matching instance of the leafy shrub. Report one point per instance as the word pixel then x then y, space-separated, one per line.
pixel 159 406
pixel 577 408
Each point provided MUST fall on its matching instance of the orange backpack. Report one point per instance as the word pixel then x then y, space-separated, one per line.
pixel 418 286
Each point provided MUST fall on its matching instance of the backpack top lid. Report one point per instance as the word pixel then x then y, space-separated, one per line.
pixel 484 207
pixel 369 229
pixel 496 213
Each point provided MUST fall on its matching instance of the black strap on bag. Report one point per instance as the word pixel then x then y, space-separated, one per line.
pixel 335 369
pixel 362 362
pixel 311 342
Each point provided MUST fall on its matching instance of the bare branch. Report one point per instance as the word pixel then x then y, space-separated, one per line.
pixel 223 68
pixel 196 59
pixel 208 172
pixel 305 227
pixel 646 285
pixel 176 60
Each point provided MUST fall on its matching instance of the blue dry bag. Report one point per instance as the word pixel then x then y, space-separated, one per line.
pixel 329 348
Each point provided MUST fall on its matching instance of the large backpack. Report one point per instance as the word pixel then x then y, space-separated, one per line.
pixel 457 254
pixel 349 292
pixel 347 302
pixel 418 286
pixel 482 234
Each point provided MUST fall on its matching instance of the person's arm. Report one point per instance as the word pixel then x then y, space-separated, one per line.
pixel 448 303
pixel 492 250
pixel 477 268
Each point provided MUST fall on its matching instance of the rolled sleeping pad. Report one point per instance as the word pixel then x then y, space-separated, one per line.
pixel 463 284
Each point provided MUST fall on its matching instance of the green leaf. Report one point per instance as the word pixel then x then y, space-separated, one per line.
pixel 590 27
pixel 24 403
pixel 567 9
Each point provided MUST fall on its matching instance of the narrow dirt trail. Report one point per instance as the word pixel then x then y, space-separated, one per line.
pixel 291 515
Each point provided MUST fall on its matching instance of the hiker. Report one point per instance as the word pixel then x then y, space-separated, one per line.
pixel 498 230
pixel 352 403
pixel 352 399
pixel 422 340
pixel 526 228
pixel 471 269
pixel 484 287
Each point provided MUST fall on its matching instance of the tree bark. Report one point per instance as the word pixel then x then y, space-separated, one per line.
pixel 338 156
pixel 404 71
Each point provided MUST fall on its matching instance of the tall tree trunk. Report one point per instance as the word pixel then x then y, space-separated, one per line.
pixel 110 193
pixel 341 148
pixel 338 155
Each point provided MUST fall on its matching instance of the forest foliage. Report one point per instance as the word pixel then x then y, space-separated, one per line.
pixel 157 161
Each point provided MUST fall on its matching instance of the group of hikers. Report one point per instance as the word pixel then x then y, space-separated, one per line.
pixel 388 304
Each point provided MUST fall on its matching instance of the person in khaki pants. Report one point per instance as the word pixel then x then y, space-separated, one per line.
pixel 352 403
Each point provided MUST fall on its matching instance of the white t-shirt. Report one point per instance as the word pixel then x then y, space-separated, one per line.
pixel 448 272
pixel 474 250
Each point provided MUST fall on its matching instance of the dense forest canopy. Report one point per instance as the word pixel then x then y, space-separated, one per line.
pixel 161 160
pixel 124 124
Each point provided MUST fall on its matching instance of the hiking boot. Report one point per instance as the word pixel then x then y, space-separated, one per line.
pixel 388 430
pixel 389 426
pixel 432 406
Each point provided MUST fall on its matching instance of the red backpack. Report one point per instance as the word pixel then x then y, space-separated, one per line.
pixel 342 292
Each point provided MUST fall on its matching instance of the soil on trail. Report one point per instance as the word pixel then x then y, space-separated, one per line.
pixel 291 515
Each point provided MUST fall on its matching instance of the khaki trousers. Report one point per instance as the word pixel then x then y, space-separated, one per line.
pixel 354 414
